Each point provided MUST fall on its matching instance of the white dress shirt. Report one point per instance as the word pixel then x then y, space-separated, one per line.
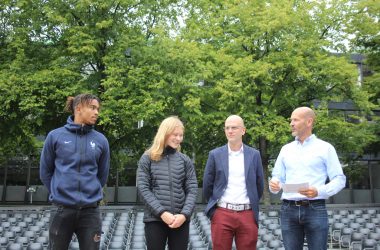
pixel 236 191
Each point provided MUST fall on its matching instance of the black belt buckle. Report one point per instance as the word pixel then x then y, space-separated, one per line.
pixel 303 203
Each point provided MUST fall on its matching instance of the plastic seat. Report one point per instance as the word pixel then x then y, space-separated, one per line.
pixel 278 233
pixel 366 216
pixel 4 241
pixel 375 236
pixel 23 240
pixel 43 240
pixel 262 231
pixel 18 216
pixel 5 224
pixel 35 228
pixel 370 226
pixel 3 217
pixel 372 212
pixel 375 221
pixel 352 217
pixel 345 221
pixel 28 220
pixel 273 226
pixel 354 226
pixel 338 226
pixel 364 231
pixel 15 229
pixel 260 243
pixel 357 212
pixel 356 241
pixel 15 246
pixel 343 212
pixel 267 237
pixel 337 217
pixel 30 234
pixel 22 224
pixel 274 244
pixel 35 246
pixel 10 235
pixel 12 220
pixel 45 233
pixel 40 224
pixel 369 243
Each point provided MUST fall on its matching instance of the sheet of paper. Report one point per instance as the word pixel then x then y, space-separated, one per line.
pixel 293 188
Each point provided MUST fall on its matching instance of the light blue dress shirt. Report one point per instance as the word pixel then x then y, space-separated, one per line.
pixel 312 161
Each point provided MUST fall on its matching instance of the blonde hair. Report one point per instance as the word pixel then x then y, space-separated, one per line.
pixel 167 127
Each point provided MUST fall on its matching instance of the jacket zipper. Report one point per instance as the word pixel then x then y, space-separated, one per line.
pixel 80 157
pixel 170 184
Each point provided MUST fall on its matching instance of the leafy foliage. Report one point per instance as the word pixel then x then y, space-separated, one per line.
pixel 200 60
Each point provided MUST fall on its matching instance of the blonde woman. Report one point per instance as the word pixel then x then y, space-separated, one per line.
pixel 167 183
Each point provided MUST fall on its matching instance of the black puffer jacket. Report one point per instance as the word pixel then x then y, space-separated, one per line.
pixel 167 185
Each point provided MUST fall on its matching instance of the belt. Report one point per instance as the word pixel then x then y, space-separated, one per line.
pixel 303 203
pixel 234 207
pixel 91 205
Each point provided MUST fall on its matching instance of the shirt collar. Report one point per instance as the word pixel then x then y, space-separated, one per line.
pixel 241 150
pixel 307 140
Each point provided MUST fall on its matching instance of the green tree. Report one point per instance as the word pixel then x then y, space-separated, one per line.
pixel 270 57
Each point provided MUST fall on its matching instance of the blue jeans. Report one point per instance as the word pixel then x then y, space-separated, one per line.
pixel 300 221
pixel 86 223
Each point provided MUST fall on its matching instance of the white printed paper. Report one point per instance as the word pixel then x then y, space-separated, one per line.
pixel 293 188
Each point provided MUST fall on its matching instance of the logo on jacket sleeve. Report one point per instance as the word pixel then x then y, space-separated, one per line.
pixel 92 144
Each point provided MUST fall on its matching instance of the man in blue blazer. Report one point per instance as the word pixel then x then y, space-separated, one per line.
pixel 233 184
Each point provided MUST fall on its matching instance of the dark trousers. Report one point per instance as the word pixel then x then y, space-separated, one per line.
pixel 157 233
pixel 227 224
pixel 86 223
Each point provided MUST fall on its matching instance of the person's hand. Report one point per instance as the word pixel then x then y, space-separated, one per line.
pixel 310 192
pixel 179 220
pixel 274 185
pixel 168 218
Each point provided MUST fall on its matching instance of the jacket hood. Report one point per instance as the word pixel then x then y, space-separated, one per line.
pixel 77 128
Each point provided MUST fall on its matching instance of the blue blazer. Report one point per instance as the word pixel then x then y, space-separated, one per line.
pixel 215 178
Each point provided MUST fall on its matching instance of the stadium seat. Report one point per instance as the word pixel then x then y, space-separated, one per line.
pixel 375 236
pixel 357 212
pixel 5 224
pixel 267 237
pixel 343 212
pixel 371 226
pixel 15 246
pixel 4 241
pixel 369 243
pixel 10 235
pixel 43 240
pixel 23 240
pixel 274 244
pixel 35 246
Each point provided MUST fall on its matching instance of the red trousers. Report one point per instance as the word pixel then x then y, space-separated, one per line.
pixel 227 224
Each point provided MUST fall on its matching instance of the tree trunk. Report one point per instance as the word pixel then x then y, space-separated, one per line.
pixel 263 143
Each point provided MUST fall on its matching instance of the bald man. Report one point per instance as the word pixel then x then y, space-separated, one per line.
pixel 233 185
pixel 306 160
